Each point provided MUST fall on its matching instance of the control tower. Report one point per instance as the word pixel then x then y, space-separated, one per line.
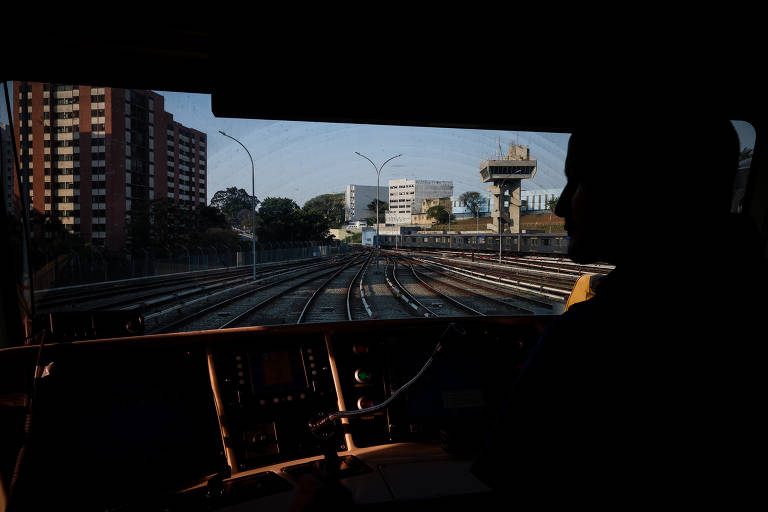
pixel 505 176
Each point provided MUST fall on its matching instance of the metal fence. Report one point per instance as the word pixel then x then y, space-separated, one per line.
pixel 95 266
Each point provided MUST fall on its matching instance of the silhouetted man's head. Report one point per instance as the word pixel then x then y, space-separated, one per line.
pixel 632 183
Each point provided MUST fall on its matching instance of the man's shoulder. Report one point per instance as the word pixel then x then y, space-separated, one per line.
pixel 600 316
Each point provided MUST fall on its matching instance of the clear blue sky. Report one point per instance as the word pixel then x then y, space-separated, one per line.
pixel 302 160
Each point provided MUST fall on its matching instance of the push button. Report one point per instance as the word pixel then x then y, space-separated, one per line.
pixel 362 376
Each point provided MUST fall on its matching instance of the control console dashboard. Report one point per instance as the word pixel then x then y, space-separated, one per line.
pixel 267 393
pixel 130 419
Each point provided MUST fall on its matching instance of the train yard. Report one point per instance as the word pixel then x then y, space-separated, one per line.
pixel 357 286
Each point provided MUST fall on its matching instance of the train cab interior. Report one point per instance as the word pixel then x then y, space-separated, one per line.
pixel 203 421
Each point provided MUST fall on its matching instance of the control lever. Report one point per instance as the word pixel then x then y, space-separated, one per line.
pixel 328 436
pixel 331 462
pixel 324 426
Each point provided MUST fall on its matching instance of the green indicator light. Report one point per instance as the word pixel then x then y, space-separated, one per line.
pixel 362 376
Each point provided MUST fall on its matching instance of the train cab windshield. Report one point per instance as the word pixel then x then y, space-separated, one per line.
pixel 208 306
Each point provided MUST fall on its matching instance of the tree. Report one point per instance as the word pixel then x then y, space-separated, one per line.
pixel 383 207
pixel 49 238
pixel 164 225
pixel 210 227
pixel 312 226
pixel 474 202
pixel 232 201
pixel 551 205
pixel 155 224
pixel 280 219
pixel 329 205
pixel 439 213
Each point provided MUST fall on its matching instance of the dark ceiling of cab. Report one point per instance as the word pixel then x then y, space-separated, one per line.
pixel 356 77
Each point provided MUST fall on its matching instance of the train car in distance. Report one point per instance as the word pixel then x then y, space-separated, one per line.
pixel 514 244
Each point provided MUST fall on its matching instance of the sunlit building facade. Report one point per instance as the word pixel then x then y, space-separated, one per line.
pixel 406 197
pixel 91 156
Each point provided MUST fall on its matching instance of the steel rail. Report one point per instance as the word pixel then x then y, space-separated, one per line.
pixel 400 291
pixel 352 284
pixel 263 303
pixel 476 284
pixel 441 294
pixel 536 288
pixel 65 297
pixel 322 287
pixel 213 307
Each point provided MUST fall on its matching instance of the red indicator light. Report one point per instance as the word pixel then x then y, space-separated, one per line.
pixel 364 403
pixel 360 348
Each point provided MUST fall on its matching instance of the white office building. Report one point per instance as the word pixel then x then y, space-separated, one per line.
pixel 358 197
pixel 405 197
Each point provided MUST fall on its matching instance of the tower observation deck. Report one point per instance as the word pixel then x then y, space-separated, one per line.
pixel 505 176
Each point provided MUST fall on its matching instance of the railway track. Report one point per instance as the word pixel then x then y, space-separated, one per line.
pixel 376 294
pixel 547 263
pixel 431 300
pixel 353 289
pixel 274 301
pixel 333 300
pixel 336 290
pixel 150 292
pixel 489 300
pixel 540 284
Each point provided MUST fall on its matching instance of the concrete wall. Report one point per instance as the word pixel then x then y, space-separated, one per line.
pixel 343 233
pixel 397 218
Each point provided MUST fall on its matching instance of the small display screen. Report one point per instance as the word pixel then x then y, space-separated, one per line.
pixel 277 370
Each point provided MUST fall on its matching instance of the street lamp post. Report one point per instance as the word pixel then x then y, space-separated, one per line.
pixel 253 204
pixel 378 174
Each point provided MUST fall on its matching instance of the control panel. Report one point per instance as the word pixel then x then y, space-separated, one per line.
pixel 457 397
pixel 270 391
pixel 273 388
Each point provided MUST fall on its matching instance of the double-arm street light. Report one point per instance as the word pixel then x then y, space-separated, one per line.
pixel 253 203
pixel 378 174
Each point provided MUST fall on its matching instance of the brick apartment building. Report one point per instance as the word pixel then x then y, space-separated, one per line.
pixel 95 154
pixel 6 166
